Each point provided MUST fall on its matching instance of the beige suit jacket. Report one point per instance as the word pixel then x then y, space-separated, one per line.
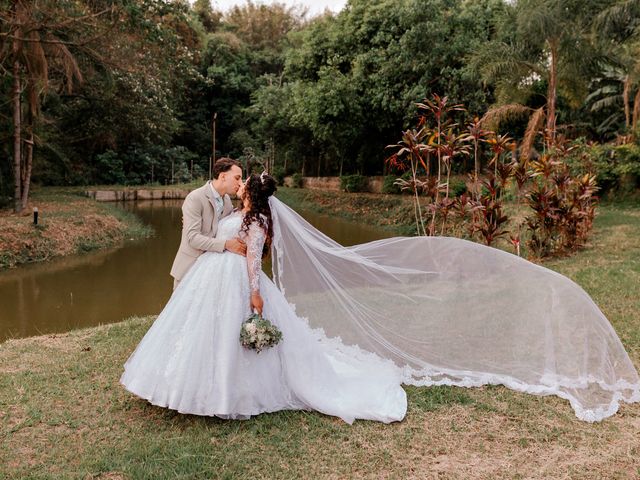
pixel 199 228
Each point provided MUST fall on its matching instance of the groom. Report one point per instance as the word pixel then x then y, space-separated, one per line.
pixel 201 211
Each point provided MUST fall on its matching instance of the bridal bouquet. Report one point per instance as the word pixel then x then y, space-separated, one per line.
pixel 259 333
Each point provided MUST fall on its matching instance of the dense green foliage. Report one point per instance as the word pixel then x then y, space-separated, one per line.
pixel 353 183
pixel 319 96
pixel 617 167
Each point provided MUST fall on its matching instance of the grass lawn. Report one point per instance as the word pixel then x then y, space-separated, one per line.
pixel 64 415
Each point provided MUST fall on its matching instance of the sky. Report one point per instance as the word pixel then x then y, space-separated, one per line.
pixel 315 6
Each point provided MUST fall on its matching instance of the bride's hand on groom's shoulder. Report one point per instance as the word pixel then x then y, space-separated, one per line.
pixel 236 245
pixel 256 302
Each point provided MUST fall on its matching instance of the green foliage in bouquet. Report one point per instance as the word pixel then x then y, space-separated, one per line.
pixel 258 333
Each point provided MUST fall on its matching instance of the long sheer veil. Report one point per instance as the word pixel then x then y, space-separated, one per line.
pixel 453 312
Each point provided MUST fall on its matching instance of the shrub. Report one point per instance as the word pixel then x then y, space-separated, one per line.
pixel 617 167
pixel 279 174
pixel 109 168
pixel 457 187
pixel 562 208
pixel 353 183
pixel 296 180
pixel 389 185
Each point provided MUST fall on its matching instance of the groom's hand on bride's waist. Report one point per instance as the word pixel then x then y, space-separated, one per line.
pixel 236 245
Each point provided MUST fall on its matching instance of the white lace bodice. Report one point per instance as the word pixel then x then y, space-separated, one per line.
pixel 229 227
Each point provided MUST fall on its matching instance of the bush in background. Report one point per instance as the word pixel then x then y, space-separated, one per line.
pixel 457 187
pixel 279 173
pixel 353 183
pixel 296 180
pixel 389 185
pixel 138 166
pixel 617 167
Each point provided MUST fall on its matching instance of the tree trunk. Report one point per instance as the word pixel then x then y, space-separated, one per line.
pixel 17 153
pixel 636 111
pixel 625 97
pixel 552 92
pixel 26 179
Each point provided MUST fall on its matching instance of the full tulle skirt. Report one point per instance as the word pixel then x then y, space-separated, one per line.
pixel 191 359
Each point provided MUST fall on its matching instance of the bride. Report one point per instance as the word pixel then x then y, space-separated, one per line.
pixel 357 322
pixel 191 359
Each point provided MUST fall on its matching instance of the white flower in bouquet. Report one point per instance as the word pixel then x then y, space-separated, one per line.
pixel 251 328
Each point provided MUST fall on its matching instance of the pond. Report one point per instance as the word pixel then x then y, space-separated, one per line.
pixel 110 286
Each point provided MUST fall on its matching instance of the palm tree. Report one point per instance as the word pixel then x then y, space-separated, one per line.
pixel 540 41
pixel 612 92
pixel 34 43
pixel 618 30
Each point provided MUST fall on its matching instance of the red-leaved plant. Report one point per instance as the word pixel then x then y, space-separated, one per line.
pixel 561 206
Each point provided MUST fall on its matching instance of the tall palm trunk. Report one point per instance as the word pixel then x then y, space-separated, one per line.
pixel 552 91
pixel 636 111
pixel 625 97
pixel 17 134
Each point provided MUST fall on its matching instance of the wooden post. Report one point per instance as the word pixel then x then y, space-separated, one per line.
pixel 212 160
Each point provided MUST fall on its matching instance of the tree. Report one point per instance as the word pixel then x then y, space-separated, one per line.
pixel 264 27
pixel 244 53
pixel 617 31
pixel 37 43
pixel 391 54
pixel 541 41
pixel 210 19
pixel 132 99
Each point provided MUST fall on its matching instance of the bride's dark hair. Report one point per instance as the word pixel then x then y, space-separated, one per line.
pixel 259 187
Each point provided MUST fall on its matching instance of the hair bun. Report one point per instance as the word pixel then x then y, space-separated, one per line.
pixel 269 186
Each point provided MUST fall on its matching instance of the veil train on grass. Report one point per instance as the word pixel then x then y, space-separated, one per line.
pixel 454 312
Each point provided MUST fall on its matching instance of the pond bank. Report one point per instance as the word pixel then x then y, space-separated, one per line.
pixel 391 212
pixel 126 195
pixel 68 223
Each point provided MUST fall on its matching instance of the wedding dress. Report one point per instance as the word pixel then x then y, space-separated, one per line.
pixel 360 321
pixel 191 359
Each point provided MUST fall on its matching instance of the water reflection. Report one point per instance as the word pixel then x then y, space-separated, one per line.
pixel 109 286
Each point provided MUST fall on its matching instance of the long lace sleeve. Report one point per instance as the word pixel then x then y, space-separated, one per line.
pixel 255 242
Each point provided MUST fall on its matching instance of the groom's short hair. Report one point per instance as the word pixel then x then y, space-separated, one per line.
pixel 224 164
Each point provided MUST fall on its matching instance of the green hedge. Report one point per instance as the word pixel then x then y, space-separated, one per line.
pixel 353 183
